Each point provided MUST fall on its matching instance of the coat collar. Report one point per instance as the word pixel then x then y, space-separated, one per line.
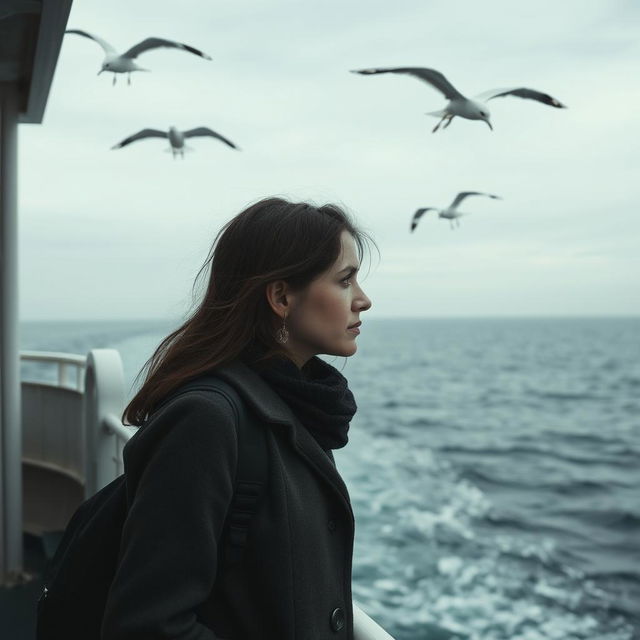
pixel 272 408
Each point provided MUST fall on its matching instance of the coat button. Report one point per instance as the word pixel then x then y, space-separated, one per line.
pixel 332 525
pixel 337 619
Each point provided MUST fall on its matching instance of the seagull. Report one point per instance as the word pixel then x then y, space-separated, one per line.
pixel 176 138
pixel 125 62
pixel 460 105
pixel 451 212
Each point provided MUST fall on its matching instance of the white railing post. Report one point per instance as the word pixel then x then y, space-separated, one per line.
pixel 80 378
pixel 63 374
pixel 104 395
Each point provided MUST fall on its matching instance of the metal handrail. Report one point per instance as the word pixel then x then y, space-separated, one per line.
pixel 64 361
pixel 114 425
pixel 53 356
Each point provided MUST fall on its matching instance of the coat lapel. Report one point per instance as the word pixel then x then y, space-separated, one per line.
pixel 272 408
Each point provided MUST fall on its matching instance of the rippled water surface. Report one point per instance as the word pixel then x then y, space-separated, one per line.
pixel 493 466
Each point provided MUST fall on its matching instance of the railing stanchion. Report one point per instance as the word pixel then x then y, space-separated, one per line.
pixel 62 374
pixel 104 395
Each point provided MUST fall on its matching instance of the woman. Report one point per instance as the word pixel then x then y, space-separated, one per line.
pixel 282 288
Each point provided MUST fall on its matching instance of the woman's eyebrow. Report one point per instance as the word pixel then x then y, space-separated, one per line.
pixel 348 268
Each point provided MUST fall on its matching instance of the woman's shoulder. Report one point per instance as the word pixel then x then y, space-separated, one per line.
pixel 199 411
pixel 200 395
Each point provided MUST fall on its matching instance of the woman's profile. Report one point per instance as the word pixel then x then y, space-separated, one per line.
pixel 282 289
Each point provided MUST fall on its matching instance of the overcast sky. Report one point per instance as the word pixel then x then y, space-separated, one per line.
pixel 121 233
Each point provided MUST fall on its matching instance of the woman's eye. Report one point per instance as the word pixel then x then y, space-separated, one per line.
pixel 347 281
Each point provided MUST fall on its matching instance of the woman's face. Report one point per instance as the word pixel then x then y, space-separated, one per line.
pixel 321 314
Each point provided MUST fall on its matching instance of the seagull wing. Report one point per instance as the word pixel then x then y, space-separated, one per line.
pixel 522 92
pixel 205 131
pixel 463 194
pixel 418 214
pixel 144 133
pixel 433 77
pixel 156 43
pixel 103 43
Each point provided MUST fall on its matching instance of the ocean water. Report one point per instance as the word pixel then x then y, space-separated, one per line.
pixel 493 466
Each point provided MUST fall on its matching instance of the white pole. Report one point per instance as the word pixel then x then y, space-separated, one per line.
pixel 64 377
pixel 10 409
pixel 104 395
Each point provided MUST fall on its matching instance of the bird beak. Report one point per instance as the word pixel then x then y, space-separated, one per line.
pixel 490 127
pixel 99 72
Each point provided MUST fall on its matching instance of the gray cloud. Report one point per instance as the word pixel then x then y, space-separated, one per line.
pixel 99 226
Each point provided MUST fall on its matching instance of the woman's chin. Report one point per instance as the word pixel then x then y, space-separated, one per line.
pixel 346 350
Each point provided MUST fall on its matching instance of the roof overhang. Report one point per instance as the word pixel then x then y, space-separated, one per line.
pixel 31 33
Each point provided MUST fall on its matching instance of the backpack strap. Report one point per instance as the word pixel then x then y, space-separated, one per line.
pixel 251 475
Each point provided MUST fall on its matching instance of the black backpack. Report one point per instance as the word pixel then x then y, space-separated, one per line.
pixel 78 577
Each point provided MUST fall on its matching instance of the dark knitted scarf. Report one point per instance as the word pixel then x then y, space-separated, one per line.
pixel 318 394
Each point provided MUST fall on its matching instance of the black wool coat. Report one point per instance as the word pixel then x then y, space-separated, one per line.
pixel 294 579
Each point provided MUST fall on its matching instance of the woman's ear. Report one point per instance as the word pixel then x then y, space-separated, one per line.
pixel 279 297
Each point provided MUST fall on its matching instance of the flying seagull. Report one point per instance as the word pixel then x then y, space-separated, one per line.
pixel 176 138
pixel 460 105
pixel 451 212
pixel 125 62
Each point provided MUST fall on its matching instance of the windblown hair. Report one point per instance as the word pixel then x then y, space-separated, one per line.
pixel 270 240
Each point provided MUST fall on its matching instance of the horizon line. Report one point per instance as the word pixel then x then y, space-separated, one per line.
pixel 569 316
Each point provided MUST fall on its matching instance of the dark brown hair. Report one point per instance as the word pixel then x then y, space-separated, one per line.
pixel 270 240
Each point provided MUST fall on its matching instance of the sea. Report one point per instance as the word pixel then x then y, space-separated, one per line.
pixel 493 467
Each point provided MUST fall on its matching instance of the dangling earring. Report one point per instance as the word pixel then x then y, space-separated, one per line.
pixel 282 334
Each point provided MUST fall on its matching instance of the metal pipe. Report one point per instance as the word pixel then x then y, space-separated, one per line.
pixel 11 558
pixel 53 356
pixel 114 425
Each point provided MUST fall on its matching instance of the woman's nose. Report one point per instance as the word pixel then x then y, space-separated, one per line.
pixel 364 302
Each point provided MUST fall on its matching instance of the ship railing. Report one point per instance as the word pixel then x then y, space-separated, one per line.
pixel 70 415
pixel 69 366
